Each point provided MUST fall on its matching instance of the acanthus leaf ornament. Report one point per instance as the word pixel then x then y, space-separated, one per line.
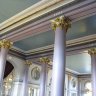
pixel 6 43
pixel 62 22
pixel 92 51
pixel 45 60
pixel 28 62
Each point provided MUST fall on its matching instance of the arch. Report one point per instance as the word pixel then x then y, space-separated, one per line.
pixel 8 69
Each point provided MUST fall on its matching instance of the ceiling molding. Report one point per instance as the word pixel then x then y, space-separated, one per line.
pixel 73 47
pixel 16 53
pixel 75 13
pixel 72 71
pixel 81 40
pixel 70 51
pixel 78 41
pixel 40 8
pixel 29 11
pixel 84 75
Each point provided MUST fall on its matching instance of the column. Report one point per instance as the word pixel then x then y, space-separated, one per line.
pixel 25 79
pixel 43 76
pixel 92 53
pixel 60 26
pixel 5 45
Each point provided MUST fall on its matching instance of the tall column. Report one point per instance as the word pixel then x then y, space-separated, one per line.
pixel 25 79
pixel 92 53
pixel 60 26
pixel 43 75
pixel 5 45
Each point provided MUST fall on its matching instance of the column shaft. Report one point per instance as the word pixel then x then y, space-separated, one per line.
pixel 43 80
pixel 4 45
pixel 25 79
pixel 58 75
pixel 60 25
pixel 3 56
pixel 93 70
pixel 25 82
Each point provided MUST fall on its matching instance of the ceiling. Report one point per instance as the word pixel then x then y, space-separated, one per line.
pixel 9 8
pixel 79 29
pixel 80 63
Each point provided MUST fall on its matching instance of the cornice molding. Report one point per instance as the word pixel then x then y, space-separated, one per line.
pixel 82 40
pixel 49 52
pixel 72 45
pixel 84 76
pixel 78 41
pixel 37 10
pixel 17 53
pixel 72 71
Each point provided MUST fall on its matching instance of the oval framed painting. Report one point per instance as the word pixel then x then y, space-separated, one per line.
pixel 35 73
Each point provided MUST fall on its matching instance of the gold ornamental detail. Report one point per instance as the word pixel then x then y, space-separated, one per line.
pixel 92 51
pixel 28 62
pixel 45 60
pixel 62 22
pixel 6 43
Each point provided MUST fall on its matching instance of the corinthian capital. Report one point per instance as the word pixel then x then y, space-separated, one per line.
pixel 62 22
pixel 45 60
pixel 28 62
pixel 92 51
pixel 6 43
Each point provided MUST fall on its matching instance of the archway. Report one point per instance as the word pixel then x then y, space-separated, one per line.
pixel 8 69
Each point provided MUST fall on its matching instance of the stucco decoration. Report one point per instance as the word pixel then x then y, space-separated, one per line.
pixel 35 73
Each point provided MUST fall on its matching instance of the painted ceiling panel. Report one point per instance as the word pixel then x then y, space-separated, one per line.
pixel 82 28
pixel 79 29
pixel 41 40
pixel 9 8
pixel 79 62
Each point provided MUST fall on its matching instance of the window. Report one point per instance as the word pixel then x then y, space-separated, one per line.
pixel 88 89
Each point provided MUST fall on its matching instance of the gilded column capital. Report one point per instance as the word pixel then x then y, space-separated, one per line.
pixel 62 22
pixel 28 62
pixel 92 51
pixel 45 60
pixel 6 43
